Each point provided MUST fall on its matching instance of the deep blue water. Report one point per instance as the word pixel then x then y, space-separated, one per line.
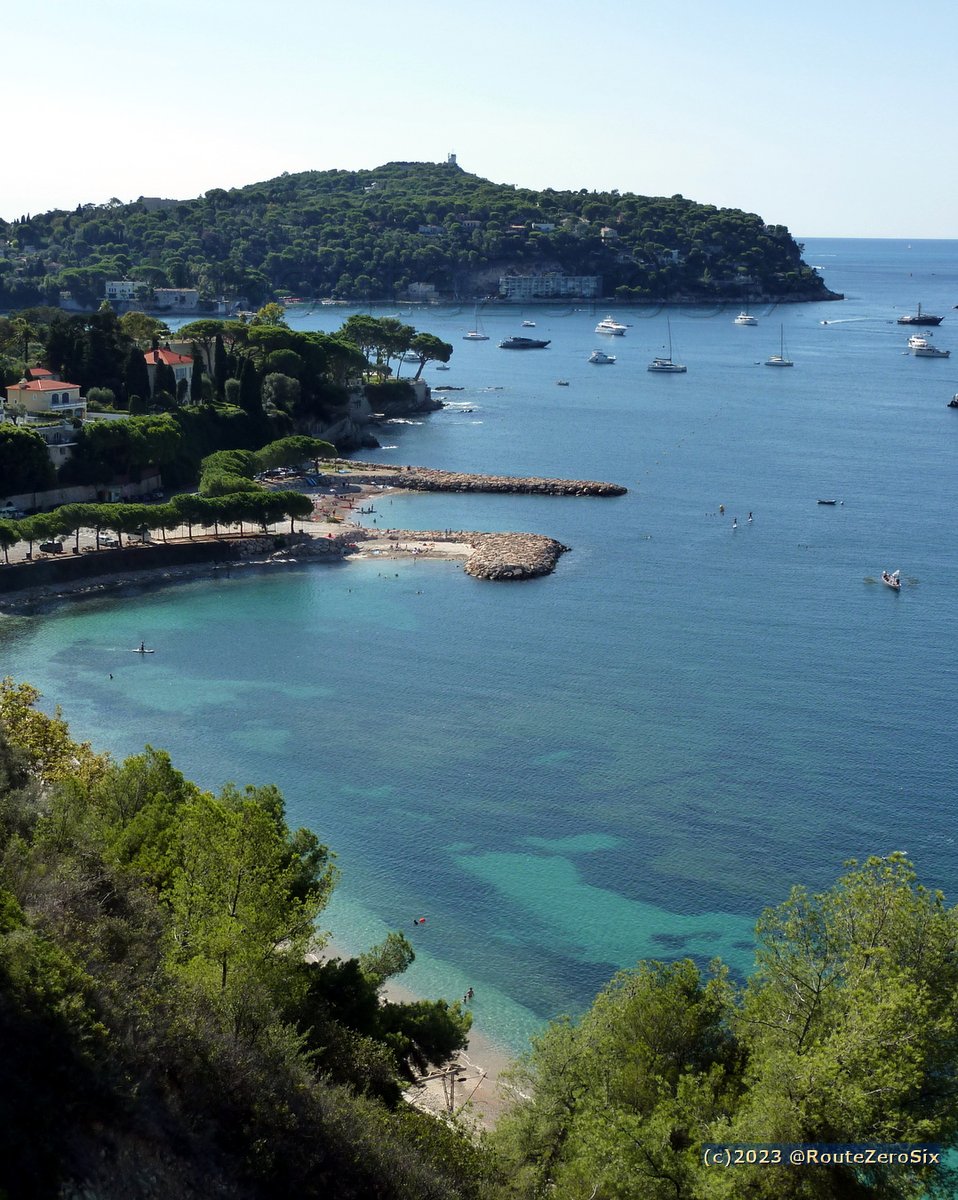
pixel 631 757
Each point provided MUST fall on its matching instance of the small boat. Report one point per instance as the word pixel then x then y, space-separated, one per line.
pixel 442 366
pixel 953 402
pixel 523 343
pixel 893 580
pixel 142 650
pixel 921 347
pixel 781 359
pixel 601 359
pixel 565 383
pixel 528 324
pixel 828 502
pixel 745 318
pixel 665 365
pixel 610 325
pixel 920 319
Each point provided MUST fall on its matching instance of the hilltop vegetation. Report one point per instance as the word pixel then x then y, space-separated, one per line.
pixel 371 234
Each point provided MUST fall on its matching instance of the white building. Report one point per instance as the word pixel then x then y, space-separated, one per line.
pixel 120 290
pixel 186 299
pixel 550 287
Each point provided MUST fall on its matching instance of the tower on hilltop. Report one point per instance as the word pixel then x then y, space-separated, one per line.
pixel 451 160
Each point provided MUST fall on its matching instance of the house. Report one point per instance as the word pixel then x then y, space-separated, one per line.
pixel 46 399
pixel 182 365
pixel 183 299
pixel 119 291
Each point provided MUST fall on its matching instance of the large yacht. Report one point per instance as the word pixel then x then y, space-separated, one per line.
pixel 523 343
pixel 920 319
pixel 611 325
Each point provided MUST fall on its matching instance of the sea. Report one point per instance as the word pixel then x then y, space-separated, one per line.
pixel 713 699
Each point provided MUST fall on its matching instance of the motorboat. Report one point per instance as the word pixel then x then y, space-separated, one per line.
pixel 611 325
pixel 664 364
pixel 601 359
pixel 953 402
pixel 920 318
pixel 528 324
pixel 781 359
pixel 745 318
pixel 523 343
pixel 442 366
pixel 921 347
pixel 565 383
pixel 893 580
pixel 828 502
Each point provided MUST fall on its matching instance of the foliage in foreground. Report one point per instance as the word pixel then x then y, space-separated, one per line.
pixel 161 1028
pixel 845 1033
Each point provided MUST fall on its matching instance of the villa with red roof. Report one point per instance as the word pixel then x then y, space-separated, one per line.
pixel 47 398
pixel 182 364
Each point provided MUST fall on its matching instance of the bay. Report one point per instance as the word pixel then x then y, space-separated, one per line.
pixel 630 757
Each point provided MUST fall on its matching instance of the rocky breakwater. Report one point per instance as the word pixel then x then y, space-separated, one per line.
pixel 513 556
pixel 428 479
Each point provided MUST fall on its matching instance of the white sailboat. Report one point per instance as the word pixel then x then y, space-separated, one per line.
pixel 781 359
pixel 666 365
pixel 476 334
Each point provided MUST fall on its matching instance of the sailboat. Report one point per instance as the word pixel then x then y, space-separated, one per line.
pixel 475 334
pixel 780 359
pixel 666 365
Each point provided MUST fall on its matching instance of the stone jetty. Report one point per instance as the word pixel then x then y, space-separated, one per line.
pixel 428 479
pixel 494 556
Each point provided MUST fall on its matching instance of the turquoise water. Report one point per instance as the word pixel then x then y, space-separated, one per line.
pixel 631 757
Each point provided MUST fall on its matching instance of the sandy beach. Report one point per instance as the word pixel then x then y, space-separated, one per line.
pixel 471 1086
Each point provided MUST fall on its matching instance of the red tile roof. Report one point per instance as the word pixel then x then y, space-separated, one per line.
pixel 170 357
pixel 42 385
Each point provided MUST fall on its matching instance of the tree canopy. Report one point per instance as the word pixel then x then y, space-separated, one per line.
pixel 365 235
pixel 847 1032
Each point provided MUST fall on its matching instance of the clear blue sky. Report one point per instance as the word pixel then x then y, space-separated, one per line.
pixel 833 118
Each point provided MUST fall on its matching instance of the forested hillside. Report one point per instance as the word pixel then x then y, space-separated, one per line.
pixel 164 1031
pixel 367 235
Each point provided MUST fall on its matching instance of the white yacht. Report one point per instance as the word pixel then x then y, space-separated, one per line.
pixel 600 358
pixel 745 318
pixel 922 347
pixel 611 325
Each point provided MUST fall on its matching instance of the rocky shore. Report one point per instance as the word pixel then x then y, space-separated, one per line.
pixel 494 556
pixel 331 534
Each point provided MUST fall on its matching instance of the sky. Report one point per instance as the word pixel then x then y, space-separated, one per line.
pixel 830 118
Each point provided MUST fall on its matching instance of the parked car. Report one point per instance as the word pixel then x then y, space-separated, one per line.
pixel 107 539
pixel 51 547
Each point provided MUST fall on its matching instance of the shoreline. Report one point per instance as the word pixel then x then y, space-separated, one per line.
pixel 494 556
pixel 471 1082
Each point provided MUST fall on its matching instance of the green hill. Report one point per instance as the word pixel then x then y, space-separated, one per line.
pixel 369 235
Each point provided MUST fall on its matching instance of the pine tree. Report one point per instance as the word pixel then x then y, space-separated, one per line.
pixel 249 397
pixel 220 367
pixel 136 376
